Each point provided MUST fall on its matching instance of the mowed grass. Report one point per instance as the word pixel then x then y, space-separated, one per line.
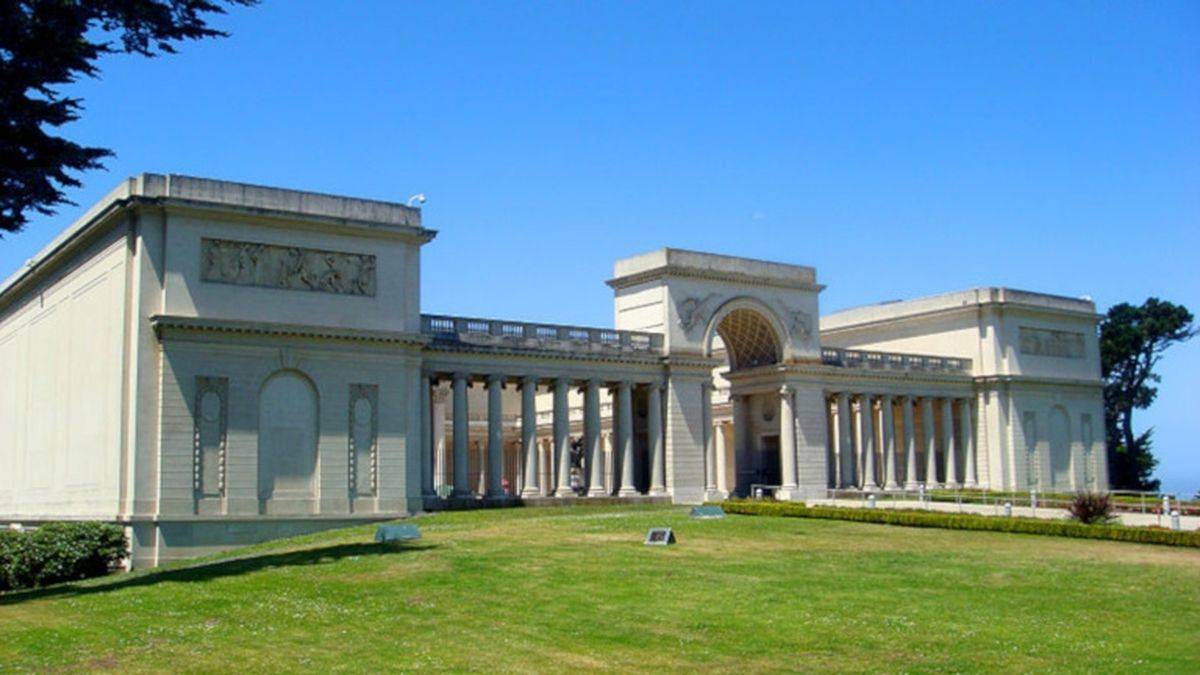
pixel 575 589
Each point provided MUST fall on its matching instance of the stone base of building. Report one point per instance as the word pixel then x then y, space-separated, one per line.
pixel 157 542
pixel 465 503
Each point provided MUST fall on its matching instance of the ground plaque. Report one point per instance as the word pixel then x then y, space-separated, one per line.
pixel 708 512
pixel 392 533
pixel 660 536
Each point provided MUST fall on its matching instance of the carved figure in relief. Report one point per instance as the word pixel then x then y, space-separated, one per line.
pixel 693 311
pixel 288 267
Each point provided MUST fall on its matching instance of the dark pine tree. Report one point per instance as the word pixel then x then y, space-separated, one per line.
pixel 45 44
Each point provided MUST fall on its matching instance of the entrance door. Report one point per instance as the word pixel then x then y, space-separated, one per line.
pixel 768 460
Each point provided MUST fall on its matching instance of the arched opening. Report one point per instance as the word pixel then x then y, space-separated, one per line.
pixel 1060 448
pixel 287 443
pixel 745 437
pixel 749 339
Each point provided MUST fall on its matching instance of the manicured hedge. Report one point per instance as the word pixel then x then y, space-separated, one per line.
pixel 57 552
pixel 967 521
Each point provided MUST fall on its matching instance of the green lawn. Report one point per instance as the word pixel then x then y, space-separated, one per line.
pixel 566 589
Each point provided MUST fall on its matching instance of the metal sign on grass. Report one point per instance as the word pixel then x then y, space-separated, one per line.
pixel 708 512
pixel 390 533
pixel 660 536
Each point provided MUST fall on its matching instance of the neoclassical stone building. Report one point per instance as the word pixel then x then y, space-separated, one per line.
pixel 213 363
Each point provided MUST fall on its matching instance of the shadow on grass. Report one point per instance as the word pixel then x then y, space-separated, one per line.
pixel 216 570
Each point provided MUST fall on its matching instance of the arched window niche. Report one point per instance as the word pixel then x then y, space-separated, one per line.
pixel 287 444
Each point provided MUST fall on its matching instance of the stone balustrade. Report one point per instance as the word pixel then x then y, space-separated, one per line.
pixel 519 334
pixel 854 358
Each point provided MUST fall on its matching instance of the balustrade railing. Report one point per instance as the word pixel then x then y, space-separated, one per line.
pixel 538 335
pixel 855 358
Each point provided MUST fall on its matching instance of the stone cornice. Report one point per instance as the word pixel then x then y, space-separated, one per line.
pixel 689 273
pixel 163 323
pixel 993 380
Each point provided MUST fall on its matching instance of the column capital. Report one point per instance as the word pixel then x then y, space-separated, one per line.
pixel 459 375
pixel 495 378
pixel 787 390
pixel 529 381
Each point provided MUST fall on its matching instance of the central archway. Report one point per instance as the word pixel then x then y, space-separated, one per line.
pixel 746 432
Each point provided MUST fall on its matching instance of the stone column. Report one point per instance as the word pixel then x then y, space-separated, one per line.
pixel 531 487
pixel 440 465
pixel 462 434
pixel 930 438
pixel 654 436
pixel 887 439
pixel 427 448
pixel 741 424
pixel 546 458
pixel 845 441
pixel 710 461
pixel 495 442
pixel 591 435
pixel 722 460
pixel 910 446
pixel 866 442
pixel 787 443
pixel 625 438
pixel 967 441
pixel 948 444
pixel 562 436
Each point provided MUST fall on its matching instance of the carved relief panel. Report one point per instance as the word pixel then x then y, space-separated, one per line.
pixel 289 267
pixel 363 441
pixel 208 445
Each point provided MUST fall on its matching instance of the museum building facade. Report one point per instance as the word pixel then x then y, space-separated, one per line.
pixel 213 364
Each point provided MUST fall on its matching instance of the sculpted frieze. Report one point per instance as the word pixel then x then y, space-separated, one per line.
pixel 1057 343
pixel 288 267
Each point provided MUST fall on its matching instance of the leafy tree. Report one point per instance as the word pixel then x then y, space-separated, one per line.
pixel 48 43
pixel 1132 340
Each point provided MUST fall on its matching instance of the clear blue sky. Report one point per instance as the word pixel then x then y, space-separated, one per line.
pixel 903 149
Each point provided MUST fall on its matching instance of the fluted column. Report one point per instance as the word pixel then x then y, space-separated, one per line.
pixel 722 460
pixel 529 448
pixel 462 433
pixel 866 443
pixel 887 439
pixel 546 458
pixel 440 465
pixel 591 435
pixel 427 448
pixel 845 441
pixel 625 438
pixel 951 466
pixel 710 462
pixel 562 436
pixel 654 434
pixel 910 446
pixel 495 442
pixel 930 438
pixel 787 442
pixel 967 439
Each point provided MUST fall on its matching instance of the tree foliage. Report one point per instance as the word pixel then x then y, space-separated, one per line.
pixel 48 43
pixel 1132 340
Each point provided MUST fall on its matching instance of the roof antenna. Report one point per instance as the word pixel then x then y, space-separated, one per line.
pixel 418 198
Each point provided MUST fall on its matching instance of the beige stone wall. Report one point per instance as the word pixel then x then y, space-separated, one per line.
pixel 61 355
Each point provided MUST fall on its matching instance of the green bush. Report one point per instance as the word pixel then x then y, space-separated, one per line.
pixel 967 521
pixel 57 552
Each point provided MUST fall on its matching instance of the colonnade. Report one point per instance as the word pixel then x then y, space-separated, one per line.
pixel 545 464
pixel 894 441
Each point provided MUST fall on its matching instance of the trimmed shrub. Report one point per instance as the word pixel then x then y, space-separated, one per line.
pixel 966 521
pixel 1091 508
pixel 57 552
